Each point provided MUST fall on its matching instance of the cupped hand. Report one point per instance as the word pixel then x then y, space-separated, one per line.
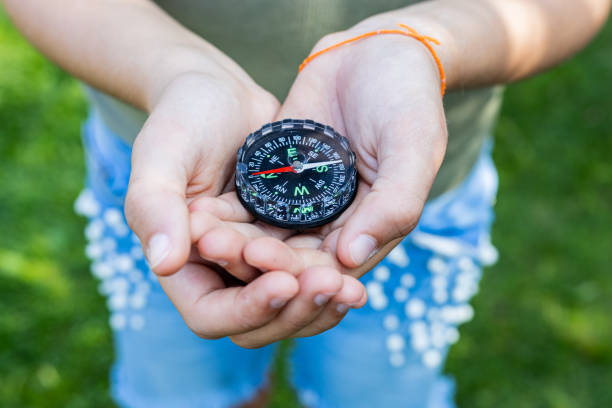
pixel 186 149
pixel 383 93
pixel 301 293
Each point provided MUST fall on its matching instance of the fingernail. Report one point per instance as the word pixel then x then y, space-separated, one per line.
pixel 342 308
pixel 322 298
pixel 362 248
pixel 158 249
pixel 277 303
pixel 221 263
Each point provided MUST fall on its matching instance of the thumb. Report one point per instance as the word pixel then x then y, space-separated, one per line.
pixel 155 205
pixel 391 209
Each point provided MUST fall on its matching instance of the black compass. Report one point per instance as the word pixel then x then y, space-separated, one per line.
pixel 296 174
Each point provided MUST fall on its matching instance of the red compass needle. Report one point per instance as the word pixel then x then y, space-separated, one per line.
pixel 287 169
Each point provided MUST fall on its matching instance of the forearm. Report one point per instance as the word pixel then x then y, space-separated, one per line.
pixel 485 42
pixel 128 48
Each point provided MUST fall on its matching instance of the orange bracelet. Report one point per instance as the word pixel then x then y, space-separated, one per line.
pixel 409 33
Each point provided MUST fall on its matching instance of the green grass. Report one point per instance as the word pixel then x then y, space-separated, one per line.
pixel 55 347
pixel 542 335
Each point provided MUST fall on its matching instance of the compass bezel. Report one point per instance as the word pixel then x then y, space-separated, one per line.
pixel 346 194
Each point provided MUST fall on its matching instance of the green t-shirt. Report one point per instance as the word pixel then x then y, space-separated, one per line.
pixel 269 39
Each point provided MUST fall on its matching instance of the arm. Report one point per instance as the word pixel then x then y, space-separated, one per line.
pixel 130 49
pixel 383 92
pixel 201 106
pixel 486 42
pixel 133 50
pixel 482 42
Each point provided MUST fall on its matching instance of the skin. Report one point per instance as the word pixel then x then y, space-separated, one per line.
pixel 394 138
pixel 383 93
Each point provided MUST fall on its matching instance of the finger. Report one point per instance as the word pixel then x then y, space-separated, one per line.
pixel 223 243
pixel 201 222
pixel 224 246
pixel 352 295
pixel 213 311
pixel 268 253
pixel 312 241
pixel 225 207
pixel 271 254
pixel 317 286
pixel 155 206
pixel 330 244
pixel 409 158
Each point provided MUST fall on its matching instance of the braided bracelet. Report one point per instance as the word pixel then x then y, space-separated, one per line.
pixel 409 32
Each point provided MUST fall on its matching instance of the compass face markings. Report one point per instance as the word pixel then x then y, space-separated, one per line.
pixel 301 189
pixel 297 177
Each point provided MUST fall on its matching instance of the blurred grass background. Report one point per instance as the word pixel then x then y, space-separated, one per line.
pixel 542 335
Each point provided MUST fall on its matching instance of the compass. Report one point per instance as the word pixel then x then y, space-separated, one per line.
pixel 296 174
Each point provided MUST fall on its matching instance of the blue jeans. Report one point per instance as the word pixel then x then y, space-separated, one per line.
pixel 388 353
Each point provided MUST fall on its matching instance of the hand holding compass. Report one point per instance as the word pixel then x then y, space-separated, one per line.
pixel 304 194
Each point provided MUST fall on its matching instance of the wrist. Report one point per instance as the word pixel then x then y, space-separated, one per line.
pixel 368 46
pixel 420 19
pixel 197 94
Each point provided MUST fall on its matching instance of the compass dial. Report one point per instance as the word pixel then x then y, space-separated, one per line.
pixel 296 174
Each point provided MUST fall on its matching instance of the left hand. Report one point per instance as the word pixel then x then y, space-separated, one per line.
pixel 383 93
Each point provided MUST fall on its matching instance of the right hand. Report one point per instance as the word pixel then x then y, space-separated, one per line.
pixel 186 149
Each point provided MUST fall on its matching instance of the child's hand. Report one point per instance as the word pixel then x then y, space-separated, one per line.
pixel 383 93
pixel 303 294
pixel 227 235
pixel 183 152
pixel 395 122
pixel 186 149
pixel 272 307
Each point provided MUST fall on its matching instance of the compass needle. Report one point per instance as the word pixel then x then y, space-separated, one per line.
pixel 320 164
pixel 287 169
